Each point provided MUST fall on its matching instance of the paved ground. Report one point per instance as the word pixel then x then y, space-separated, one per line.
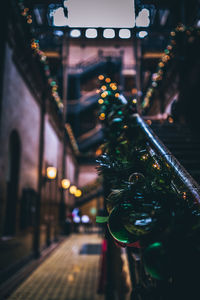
pixel 66 274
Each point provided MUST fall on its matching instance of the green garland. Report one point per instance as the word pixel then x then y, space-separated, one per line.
pixel 147 201
pixel 34 44
pixel 170 53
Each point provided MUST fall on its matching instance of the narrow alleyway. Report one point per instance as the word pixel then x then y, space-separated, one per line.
pixel 70 273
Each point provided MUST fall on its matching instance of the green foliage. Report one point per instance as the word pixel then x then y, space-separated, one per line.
pixel 146 200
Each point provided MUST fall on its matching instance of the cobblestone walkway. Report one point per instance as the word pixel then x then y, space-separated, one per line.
pixel 66 274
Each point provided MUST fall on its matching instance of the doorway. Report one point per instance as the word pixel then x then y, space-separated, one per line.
pixel 12 183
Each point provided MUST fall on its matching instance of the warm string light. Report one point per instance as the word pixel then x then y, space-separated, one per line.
pixel 98 152
pixel 168 54
pixel 102 116
pixel 101 77
pixel 104 94
pixel 25 12
pixel 78 193
pixel 134 101
pixel 184 195
pixel 65 183
pixel 170 120
pixel 114 88
pixel 144 157
pixel 72 189
pixel 107 80
pixel 103 87
pixel 156 166
pixel 51 172
pixel 149 122
pixel 108 88
pixel 100 101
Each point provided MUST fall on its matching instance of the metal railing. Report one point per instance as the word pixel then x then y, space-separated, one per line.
pixel 82 66
pixel 162 150
pixel 140 279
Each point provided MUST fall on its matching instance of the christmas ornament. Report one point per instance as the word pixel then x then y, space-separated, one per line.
pixel 156 261
pixel 117 229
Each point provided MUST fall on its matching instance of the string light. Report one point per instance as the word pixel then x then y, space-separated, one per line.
pixel 103 87
pixel 98 152
pixel 114 87
pixel 107 80
pixel 102 116
pixel 117 95
pixel 168 54
pixel 170 120
pixel 100 101
pixel 172 33
pixel 78 193
pixel 104 94
pixel 51 172
pixel 72 189
pixel 161 64
pixel 65 183
pixel 144 157
pixel 184 195
pixel 101 77
pixel 25 12
pixel 149 122
pixel 134 91
pixel 156 166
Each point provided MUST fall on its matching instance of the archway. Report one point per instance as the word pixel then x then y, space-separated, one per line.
pixel 12 183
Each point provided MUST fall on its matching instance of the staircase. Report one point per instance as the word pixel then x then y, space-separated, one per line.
pixel 182 143
pixel 89 69
pixel 96 63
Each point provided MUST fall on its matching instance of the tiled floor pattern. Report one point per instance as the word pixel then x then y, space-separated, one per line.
pixel 65 275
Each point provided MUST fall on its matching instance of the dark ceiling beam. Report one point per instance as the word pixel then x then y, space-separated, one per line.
pixel 44 2
pixel 45 29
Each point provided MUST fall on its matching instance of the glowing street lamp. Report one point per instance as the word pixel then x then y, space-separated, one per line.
pixel 65 183
pixel 78 193
pixel 51 173
pixel 72 189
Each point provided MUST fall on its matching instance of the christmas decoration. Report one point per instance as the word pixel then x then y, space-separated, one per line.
pixel 173 49
pixel 148 205
pixel 35 46
pixel 156 261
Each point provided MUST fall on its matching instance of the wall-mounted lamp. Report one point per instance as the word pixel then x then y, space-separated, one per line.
pixel 65 183
pixel 51 173
pixel 72 189
pixel 78 193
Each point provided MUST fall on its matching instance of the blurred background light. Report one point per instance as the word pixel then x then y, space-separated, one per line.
pixel 85 219
pixel 109 33
pixel 142 34
pixel 124 33
pixel 143 19
pixel 91 33
pixel 76 219
pixel 58 32
pixel 75 33
pixel 95 13
pixel 59 18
